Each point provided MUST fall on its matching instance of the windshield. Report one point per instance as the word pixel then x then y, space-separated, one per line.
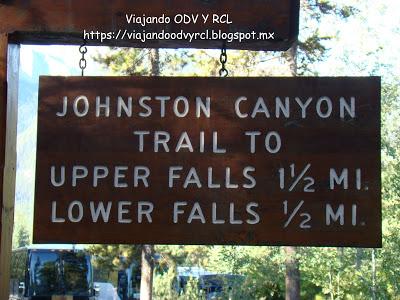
pixel 216 283
pixel 59 273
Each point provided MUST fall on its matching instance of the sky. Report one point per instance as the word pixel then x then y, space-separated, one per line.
pixel 372 37
pixel 368 44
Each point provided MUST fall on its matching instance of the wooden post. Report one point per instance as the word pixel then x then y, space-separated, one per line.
pixel 9 64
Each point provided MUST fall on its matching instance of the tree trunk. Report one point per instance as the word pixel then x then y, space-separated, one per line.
pixel 292 276
pixel 359 255
pixel 154 56
pixel 373 274
pixel 146 281
pixel 291 57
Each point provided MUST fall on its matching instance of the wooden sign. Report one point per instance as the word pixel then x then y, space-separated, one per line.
pixel 250 24
pixel 255 161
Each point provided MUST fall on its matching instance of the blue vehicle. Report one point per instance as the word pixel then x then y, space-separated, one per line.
pixel 45 272
pixel 211 285
pixel 129 282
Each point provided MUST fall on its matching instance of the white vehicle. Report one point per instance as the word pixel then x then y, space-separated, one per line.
pixel 105 291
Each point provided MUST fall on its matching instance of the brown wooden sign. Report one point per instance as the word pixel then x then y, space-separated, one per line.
pixel 263 25
pixel 258 161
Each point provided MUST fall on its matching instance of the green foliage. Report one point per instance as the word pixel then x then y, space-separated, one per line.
pixel 134 61
pixel 311 47
pixel 172 256
pixel 191 290
pixel 391 144
pixel 23 237
pixel 332 271
pixel 312 50
pixel 388 258
pixel 317 9
pixel 262 268
pixel 23 227
pixel 107 259
pixel 163 287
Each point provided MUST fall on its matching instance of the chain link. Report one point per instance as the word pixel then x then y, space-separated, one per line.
pixel 82 61
pixel 223 58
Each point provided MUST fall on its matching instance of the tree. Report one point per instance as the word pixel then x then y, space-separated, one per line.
pixel 164 284
pixel 388 258
pixel 308 50
pixel 146 282
pixel 23 237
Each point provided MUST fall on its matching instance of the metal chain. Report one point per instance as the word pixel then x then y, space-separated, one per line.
pixel 223 58
pixel 82 61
